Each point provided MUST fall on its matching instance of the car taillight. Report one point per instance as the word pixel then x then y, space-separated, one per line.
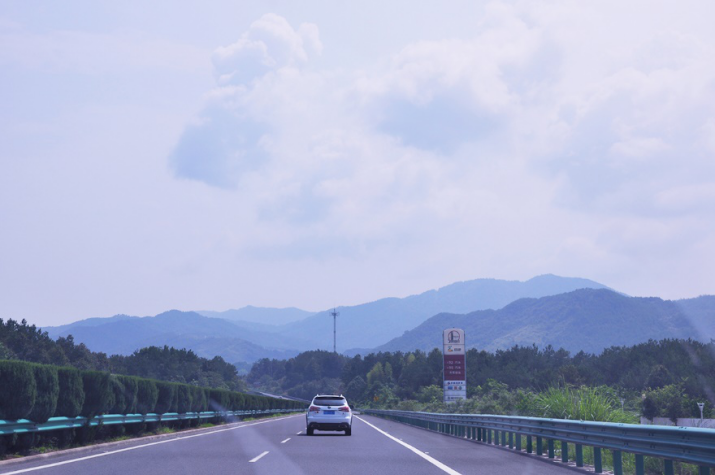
pixel 314 409
pixel 345 409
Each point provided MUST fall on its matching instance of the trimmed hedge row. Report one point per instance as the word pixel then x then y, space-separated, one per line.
pixel 38 392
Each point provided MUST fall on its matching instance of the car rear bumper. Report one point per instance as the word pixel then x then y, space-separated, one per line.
pixel 329 425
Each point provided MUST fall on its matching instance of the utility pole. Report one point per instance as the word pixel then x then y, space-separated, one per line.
pixel 335 319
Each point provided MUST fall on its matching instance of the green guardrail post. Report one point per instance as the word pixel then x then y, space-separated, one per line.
pixel 511 440
pixel 503 438
pixel 539 446
pixel 617 462
pixel 564 451
pixel 489 436
pixel 703 470
pixel 518 442
pixel 529 446
pixel 640 465
pixel 668 467
pixel 597 461
pixel 550 443
pixel 579 455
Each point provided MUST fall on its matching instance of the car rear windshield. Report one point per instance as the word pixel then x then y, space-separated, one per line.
pixel 329 401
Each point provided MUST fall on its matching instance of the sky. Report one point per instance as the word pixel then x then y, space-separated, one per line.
pixel 212 155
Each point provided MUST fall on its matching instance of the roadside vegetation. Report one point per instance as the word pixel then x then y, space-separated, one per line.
pixel 37 392
pixel 664 378
pixel 21 341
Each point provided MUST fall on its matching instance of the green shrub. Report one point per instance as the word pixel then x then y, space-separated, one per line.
pixel 185 399
pixel 120 398
pixel 167 395
pixel 17 391
pixel 236 401
pixel 175 401
pixel 131 388
pixel 198 399
pixel 219 399
pixel 48 388
pixel 98 394
pixel 147 395
pixel 584 403
pixel 71 392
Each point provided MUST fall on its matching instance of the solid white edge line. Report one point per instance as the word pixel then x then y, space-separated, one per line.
pixel 283 442
pixel 65 462
pixel 256 459
pixel 431 460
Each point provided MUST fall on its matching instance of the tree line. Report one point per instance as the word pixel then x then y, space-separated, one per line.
pixel 21 341
pixel 651 370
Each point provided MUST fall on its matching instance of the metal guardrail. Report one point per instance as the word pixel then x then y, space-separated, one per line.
pixel 683 444
pixel 59 423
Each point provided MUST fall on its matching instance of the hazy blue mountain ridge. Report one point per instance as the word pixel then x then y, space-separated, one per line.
pixel 260 315
pixel 249 335
pixel 585 319
pixel 701 313
pixel 375 323
pixel 208 337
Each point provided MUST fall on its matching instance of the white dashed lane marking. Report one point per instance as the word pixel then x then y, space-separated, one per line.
pixel 256 459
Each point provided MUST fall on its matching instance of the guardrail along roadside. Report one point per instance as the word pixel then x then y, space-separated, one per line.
pixel 57 406
pixel 663 446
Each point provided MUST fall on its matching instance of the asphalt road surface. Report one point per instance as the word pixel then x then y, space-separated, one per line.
pixel 280 446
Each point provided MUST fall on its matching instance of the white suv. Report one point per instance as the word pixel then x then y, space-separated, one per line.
pixel 329 412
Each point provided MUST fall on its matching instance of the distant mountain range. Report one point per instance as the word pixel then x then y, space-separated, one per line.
pixel 543 310
pixel 586 319
pixel 261 315
pixel 375 323
pixel 207 337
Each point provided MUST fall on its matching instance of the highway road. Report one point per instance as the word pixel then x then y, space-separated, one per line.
pixel 280 446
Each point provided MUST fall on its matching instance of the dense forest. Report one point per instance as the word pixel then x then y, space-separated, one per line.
pixel 21 341
pixel 682 368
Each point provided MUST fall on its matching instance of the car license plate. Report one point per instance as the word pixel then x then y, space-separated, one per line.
pixel 329 412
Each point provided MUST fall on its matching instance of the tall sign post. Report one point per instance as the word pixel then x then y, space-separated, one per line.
pixel 455 365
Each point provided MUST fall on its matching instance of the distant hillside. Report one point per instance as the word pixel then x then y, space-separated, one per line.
pixel 246 335
pixel 586 319
pixel 372 324
pixel 700 312
pixel 262 315
pixel 208 337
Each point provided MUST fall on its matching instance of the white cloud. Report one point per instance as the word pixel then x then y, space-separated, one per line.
pixel 269 44
pixel 447 134
pixel 532 137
